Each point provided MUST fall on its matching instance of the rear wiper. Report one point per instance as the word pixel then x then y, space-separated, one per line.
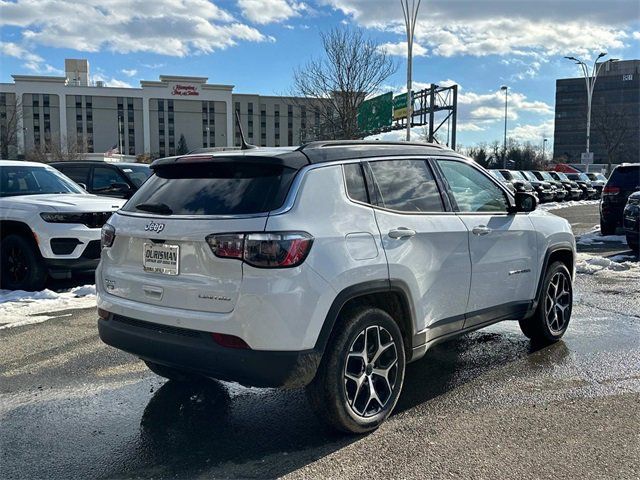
pixel 155 208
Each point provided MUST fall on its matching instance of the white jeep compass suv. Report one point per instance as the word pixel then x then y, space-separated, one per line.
pixel 331 265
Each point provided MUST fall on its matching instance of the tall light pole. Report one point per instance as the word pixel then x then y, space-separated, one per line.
pixel 590 80
pixel 504 144
pixel 544 144
pixel 410 13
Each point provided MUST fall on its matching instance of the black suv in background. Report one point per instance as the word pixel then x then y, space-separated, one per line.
pixel 624 180
pixel 119 180
pixel 588 192
pixel 631 221
pixel 574 192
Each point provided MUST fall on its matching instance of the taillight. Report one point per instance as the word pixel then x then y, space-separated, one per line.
pixel 610 191
pixel 263 250
pixel 107 235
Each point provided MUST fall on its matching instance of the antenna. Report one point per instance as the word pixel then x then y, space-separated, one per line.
pixel 243 142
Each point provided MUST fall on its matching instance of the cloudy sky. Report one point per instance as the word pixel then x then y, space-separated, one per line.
pixel 256 44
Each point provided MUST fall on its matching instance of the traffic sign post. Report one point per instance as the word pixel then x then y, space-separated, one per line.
pixel 586 158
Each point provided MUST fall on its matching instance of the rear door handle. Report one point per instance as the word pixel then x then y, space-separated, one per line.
pixel 481 230
pixel 401 232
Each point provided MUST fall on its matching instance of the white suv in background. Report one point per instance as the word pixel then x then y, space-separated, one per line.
pixel 49 226
pixel 331 265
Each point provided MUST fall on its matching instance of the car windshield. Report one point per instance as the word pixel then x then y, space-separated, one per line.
pixel 596 176
pixel 530 176
pixel 138 174
pixel 517 175
pixel 28 180
pixel 547 176
pixel 562 176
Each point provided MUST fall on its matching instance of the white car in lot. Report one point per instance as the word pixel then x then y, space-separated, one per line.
pixel 330 266
pixel 49 226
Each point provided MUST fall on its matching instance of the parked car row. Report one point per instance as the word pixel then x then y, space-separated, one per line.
pixel 548 186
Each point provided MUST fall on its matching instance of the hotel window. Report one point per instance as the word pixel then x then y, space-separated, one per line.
pixel 250 120
pixel 276 124
pixel 88 102
pixel 263 125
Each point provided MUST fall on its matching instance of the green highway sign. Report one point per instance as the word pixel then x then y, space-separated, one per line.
pixel 375 113
pixel 400 106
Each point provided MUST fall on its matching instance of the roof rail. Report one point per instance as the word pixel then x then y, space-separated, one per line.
pixel 354 143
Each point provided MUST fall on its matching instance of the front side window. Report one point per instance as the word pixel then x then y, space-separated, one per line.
pixel 78 174
pixel 471 189
pixel 406 186
pixel 104 178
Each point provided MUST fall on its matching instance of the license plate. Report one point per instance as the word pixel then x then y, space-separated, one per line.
pixel 161 258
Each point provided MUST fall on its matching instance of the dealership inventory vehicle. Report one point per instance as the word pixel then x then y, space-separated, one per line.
pixel 588 192
pixel 48 225
pixel 111 179
pixel 624 180
pixel 546 191
pixel 598 181
pixel 631 221
pixel 330 266
pixel 498 176
pixel 520 184
pixel 561 193
pixel 574 192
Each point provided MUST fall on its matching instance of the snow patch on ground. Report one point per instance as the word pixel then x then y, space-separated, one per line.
pixel 570 203
pixel 593 237
pixel 18 308
pixel 593 264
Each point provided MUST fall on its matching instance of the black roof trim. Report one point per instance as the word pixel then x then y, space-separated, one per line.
pixel 329 151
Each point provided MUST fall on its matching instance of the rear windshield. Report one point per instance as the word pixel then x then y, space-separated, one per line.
pixel 213 189
pixel 625 176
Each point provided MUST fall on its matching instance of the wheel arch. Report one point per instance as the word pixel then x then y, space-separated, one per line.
pixel 561 253
pixel 391 296
pixel 10 227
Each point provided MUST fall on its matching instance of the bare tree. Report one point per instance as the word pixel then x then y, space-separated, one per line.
pixel 53 152
pixel 9 121
pixel 352 68
pixel 612 126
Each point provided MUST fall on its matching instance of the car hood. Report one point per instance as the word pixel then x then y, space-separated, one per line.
pixel 61 202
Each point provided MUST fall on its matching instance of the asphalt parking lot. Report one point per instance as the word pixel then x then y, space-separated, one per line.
pixel 486 405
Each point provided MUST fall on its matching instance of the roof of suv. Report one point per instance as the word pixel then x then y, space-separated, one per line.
pixel 313 152
pixel 97 162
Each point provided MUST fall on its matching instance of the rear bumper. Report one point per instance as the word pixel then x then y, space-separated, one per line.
pixel 196 351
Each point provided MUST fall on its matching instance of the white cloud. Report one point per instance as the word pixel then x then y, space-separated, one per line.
pixel 636 35
pixel 33 62
pixel 400 49
pixel 545 27
pixel 129 72
pixel 110 82
pixel 167 27
pixel 532 133
pixel 270 11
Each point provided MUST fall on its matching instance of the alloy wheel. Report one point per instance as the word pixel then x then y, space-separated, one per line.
pixel 557 308
pixel 371 371
pixel 17 264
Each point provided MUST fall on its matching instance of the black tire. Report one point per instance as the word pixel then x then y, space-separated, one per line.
pixel 633 243
pixel 172 373
pixel 553 313
pixel 607 228
pixel 22 265
pixel 330 391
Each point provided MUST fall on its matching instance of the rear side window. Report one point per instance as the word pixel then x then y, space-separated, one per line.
pixel 406 186
pixel 625 177
pixel 76 173
pixel 354 178
pixel 213 189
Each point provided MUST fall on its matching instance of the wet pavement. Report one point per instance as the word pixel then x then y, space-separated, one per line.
pixel 486 405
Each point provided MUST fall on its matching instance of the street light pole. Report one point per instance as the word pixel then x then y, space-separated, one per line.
pixel 410 13
pixel 590 80
pixel 504 145
pixel 544 144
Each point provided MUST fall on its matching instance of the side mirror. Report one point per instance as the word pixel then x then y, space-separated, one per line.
pixel 525 202
pixel 83 185
pixel 121 187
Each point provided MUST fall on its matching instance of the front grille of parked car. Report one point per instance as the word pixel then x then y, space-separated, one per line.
pixel 185 332
pixel 92 250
